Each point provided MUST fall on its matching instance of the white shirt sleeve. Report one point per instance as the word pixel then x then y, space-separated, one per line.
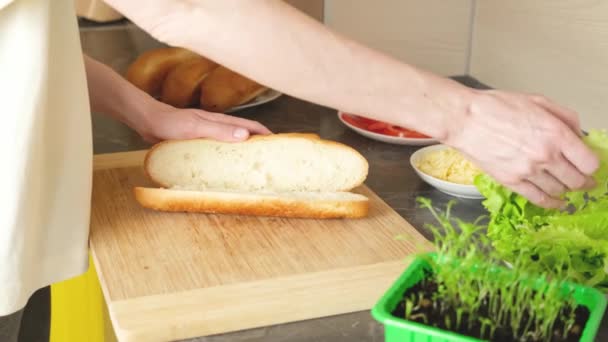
pixel 46 149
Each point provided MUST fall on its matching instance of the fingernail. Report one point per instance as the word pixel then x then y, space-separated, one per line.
pixel 240 133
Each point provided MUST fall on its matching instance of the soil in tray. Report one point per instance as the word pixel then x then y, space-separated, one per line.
pixel 431 311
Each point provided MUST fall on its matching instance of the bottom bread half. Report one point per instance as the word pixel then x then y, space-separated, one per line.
pixel 317 205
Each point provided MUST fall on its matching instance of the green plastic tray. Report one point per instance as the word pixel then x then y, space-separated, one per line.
pixel 401 330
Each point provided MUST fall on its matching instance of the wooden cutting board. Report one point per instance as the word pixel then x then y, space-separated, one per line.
pixel 169 276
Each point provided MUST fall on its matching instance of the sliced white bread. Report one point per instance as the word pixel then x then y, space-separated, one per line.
pixel 321 205
pixel 289 175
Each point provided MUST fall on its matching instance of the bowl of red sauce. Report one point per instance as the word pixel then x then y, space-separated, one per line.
pixel 383 131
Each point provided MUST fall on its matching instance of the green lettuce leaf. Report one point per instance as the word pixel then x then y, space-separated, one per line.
pixel 570 242
pixel 598 142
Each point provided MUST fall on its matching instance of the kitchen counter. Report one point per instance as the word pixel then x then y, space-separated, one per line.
pixel 390 176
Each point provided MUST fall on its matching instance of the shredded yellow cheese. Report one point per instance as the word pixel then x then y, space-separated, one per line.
pixel 449 165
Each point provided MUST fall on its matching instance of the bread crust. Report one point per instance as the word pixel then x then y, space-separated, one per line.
pixel 181 88
pixel 271 137
pixel 223 89
pixel 248 204
pixel 150 69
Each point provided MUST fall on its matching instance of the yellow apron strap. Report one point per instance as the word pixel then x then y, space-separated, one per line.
pixel 78 310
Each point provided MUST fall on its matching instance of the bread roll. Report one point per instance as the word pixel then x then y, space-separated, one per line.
pixel 182 85
pixel 151 68
pixel 288 175
pixel 319 205
pixel 223 89
pixel 273 163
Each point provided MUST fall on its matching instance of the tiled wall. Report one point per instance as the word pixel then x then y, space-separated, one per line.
pixel 314 8
pixel 433 34
pixel 557 48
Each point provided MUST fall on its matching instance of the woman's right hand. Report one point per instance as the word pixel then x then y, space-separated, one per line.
pixel 526 142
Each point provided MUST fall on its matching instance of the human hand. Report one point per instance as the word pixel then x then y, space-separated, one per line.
pixel 160 121
pixel 526 142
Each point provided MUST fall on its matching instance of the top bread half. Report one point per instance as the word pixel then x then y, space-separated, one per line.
pixel 276 163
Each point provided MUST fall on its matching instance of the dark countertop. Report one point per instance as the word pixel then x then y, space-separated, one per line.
pixel 390 176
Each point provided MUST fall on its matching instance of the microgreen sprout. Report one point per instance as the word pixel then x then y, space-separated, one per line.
pixel 409 306
pixel 475 290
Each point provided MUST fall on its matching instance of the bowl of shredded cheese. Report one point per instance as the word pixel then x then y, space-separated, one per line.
pixel 447 170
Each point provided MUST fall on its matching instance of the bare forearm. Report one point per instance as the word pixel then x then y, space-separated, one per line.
pixel 280 47
pixel 527 142
pixel 112 95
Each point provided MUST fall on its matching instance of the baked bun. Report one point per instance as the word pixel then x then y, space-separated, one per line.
pixel 185 79
pixel 288 175
pixel 310 205
pixel 150 69
pixel 223 89
pixel 182 86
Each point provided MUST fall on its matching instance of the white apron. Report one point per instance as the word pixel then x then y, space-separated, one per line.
pixel 45 149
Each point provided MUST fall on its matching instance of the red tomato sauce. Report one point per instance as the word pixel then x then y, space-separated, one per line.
pixel 381 127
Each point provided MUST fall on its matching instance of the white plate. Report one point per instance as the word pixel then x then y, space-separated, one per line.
pixel 264 97
pixel 453 189
pixel 387 138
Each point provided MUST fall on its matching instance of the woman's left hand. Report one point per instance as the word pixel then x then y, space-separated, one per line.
pixel 114 96
pixel 160 121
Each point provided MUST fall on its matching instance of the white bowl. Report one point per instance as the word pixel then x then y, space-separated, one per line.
pixel 450 188
pixel 387 138
pixel 267 96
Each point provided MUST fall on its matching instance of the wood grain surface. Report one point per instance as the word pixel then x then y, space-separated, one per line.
pixel 169 276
